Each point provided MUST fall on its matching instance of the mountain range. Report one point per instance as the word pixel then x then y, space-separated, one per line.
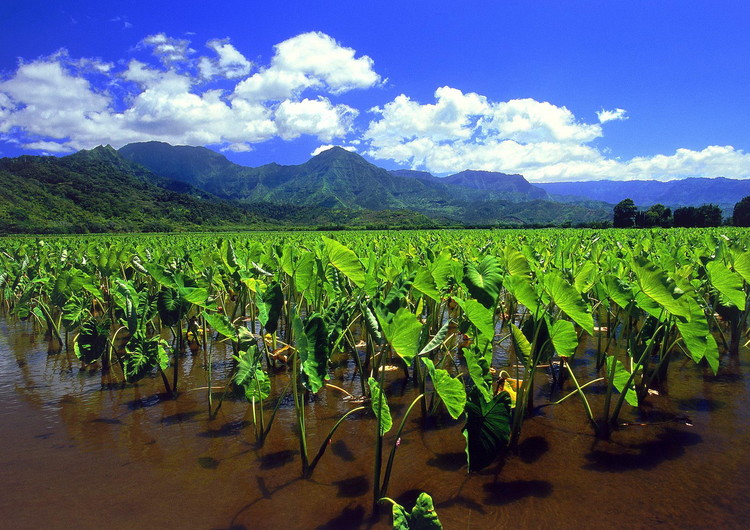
pixel 340 179
pixel 723 192
pixel 335 178
pixel 153 186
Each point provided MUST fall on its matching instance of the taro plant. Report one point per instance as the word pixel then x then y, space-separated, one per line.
pixel 404 334
pixel 179 291
pixel 731 299
pixel 144 349
pixel 309 373
pixel 245 353
pixel 421 517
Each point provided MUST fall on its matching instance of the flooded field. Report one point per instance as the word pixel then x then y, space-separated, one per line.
pixel 78 453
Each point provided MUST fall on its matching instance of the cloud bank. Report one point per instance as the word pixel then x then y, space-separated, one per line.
pixel 542 141
pixel 170 89
pixel 60 104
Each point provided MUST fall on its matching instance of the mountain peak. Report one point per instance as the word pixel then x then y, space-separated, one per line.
pixel 194 165
pixel 104 153
pixel 336 152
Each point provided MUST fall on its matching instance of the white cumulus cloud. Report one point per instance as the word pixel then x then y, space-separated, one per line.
pixel 316 117
pixel 461 131
pixel 321 56
pixel 531 121
pixel 50 147
pixel 611 115
pixel 309 60
pixel 168 49
pixel 230 63
pixel 59 104
pixel 540 140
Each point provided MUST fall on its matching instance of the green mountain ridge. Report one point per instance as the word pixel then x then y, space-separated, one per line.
pixel 337 178
pixel 98 190
pixel 328 180
pixel 158 187
pixel 333 178
pixel 492 184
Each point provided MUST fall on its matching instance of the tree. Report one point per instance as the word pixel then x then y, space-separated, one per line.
pixel 705 215
pixel 624 214
pixel 710 215
pixel 686 217
pixel 659 215
pixel 741 213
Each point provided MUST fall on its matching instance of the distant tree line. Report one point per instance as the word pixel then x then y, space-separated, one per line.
pixel 627 215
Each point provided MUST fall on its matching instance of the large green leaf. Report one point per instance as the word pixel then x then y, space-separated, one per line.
pixel 450 389
pixel 422 516
pixel 742 265
pixel 487 428
pixel 484 281
pixel 158 273
pixel 91 342
pixel 345 260
pixel 569 301
pixel 250 378
pixel 142 355
pixel 516 263
pixel 402 332
pixel 188 290
pixel 90 286
pixel 305 271
pixel 650 306
pixel 523 291
pixel 424 282
pixel 480 316
pixel 131 303
pixel 228 256
pixel 371 323
pixel 108 259
pixel 585 277
pixel 521 344
pixel 262 387
pixel 621 379
pixel 270 303
pixel 379 404
pixel 398 292
pixel 479 370
pixel 313 346
pixel 67 284
pixel 657 285
pixel 697 336
pixel 171 306
pixel 74 312
pixel 437 340
pixel 618 290
pixel 442 271
pixel 194 295
pixel 400 517
pixel 728 283
pixel 221 324
pixel 564 338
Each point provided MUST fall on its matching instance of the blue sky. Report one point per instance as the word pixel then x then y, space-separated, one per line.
pixel 553 90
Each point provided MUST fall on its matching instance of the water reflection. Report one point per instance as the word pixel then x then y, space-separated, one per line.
pixel 134 444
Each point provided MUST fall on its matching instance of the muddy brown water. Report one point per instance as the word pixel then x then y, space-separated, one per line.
pixel 76 454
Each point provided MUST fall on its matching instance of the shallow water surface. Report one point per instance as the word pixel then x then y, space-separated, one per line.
pixel 77 453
